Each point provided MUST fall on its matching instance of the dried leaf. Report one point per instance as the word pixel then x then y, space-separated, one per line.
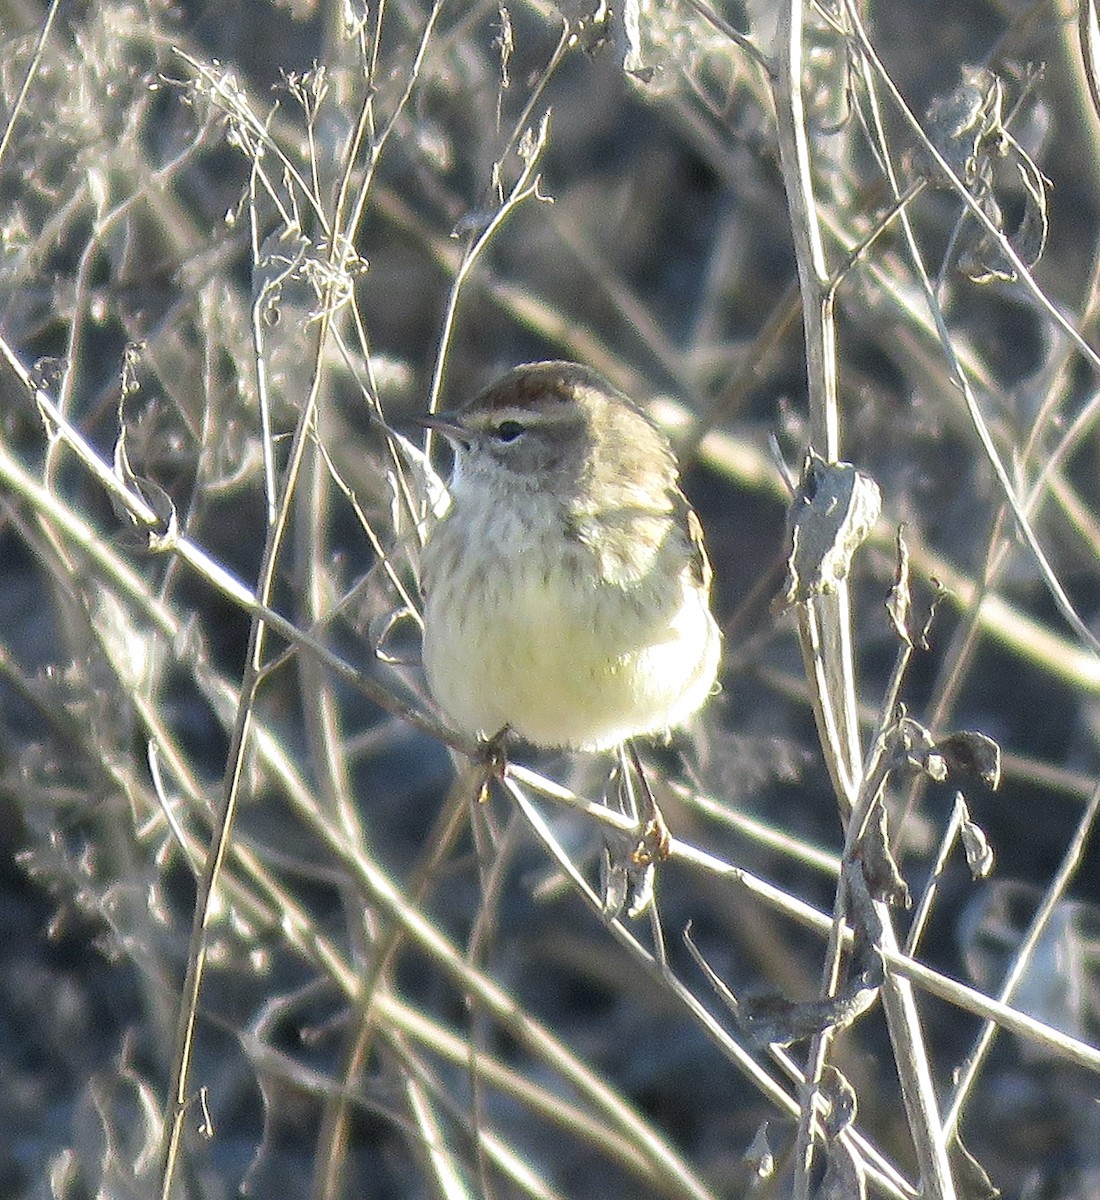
pixel 832 513
pixel 1030 239
pixel 969 129
pixel 161 535
pixel 865 922
pixel 972 754
pixel 774 1021
pixel 917 749
pixel 979 853
pixel 841 1099
pixel 899 602
pixel 986 260
pixel 966 125
pixel 880 870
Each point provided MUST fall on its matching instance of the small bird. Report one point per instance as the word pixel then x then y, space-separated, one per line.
pixel 567 588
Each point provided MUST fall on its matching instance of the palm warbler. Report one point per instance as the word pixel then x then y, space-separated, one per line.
pixel 567 590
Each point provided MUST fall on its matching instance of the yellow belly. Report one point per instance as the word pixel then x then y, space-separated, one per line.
pixel 565 664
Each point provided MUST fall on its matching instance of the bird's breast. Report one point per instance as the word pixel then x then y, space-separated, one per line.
pixel 522 627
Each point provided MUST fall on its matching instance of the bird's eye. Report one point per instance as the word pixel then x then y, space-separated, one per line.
pixel 508 431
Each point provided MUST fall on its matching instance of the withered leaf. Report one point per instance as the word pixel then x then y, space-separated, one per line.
pixel 831 515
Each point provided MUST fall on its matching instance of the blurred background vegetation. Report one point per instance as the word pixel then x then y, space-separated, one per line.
pixel 241 244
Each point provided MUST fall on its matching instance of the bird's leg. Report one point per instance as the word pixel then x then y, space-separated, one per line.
pixel 656 839
pixel 493 760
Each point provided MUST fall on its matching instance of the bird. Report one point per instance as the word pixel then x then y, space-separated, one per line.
pixel 567 588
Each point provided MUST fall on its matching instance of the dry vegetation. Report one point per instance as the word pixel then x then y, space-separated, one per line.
pixel 255 934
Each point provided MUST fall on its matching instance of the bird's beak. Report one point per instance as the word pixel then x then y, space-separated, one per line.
pixel 449 424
